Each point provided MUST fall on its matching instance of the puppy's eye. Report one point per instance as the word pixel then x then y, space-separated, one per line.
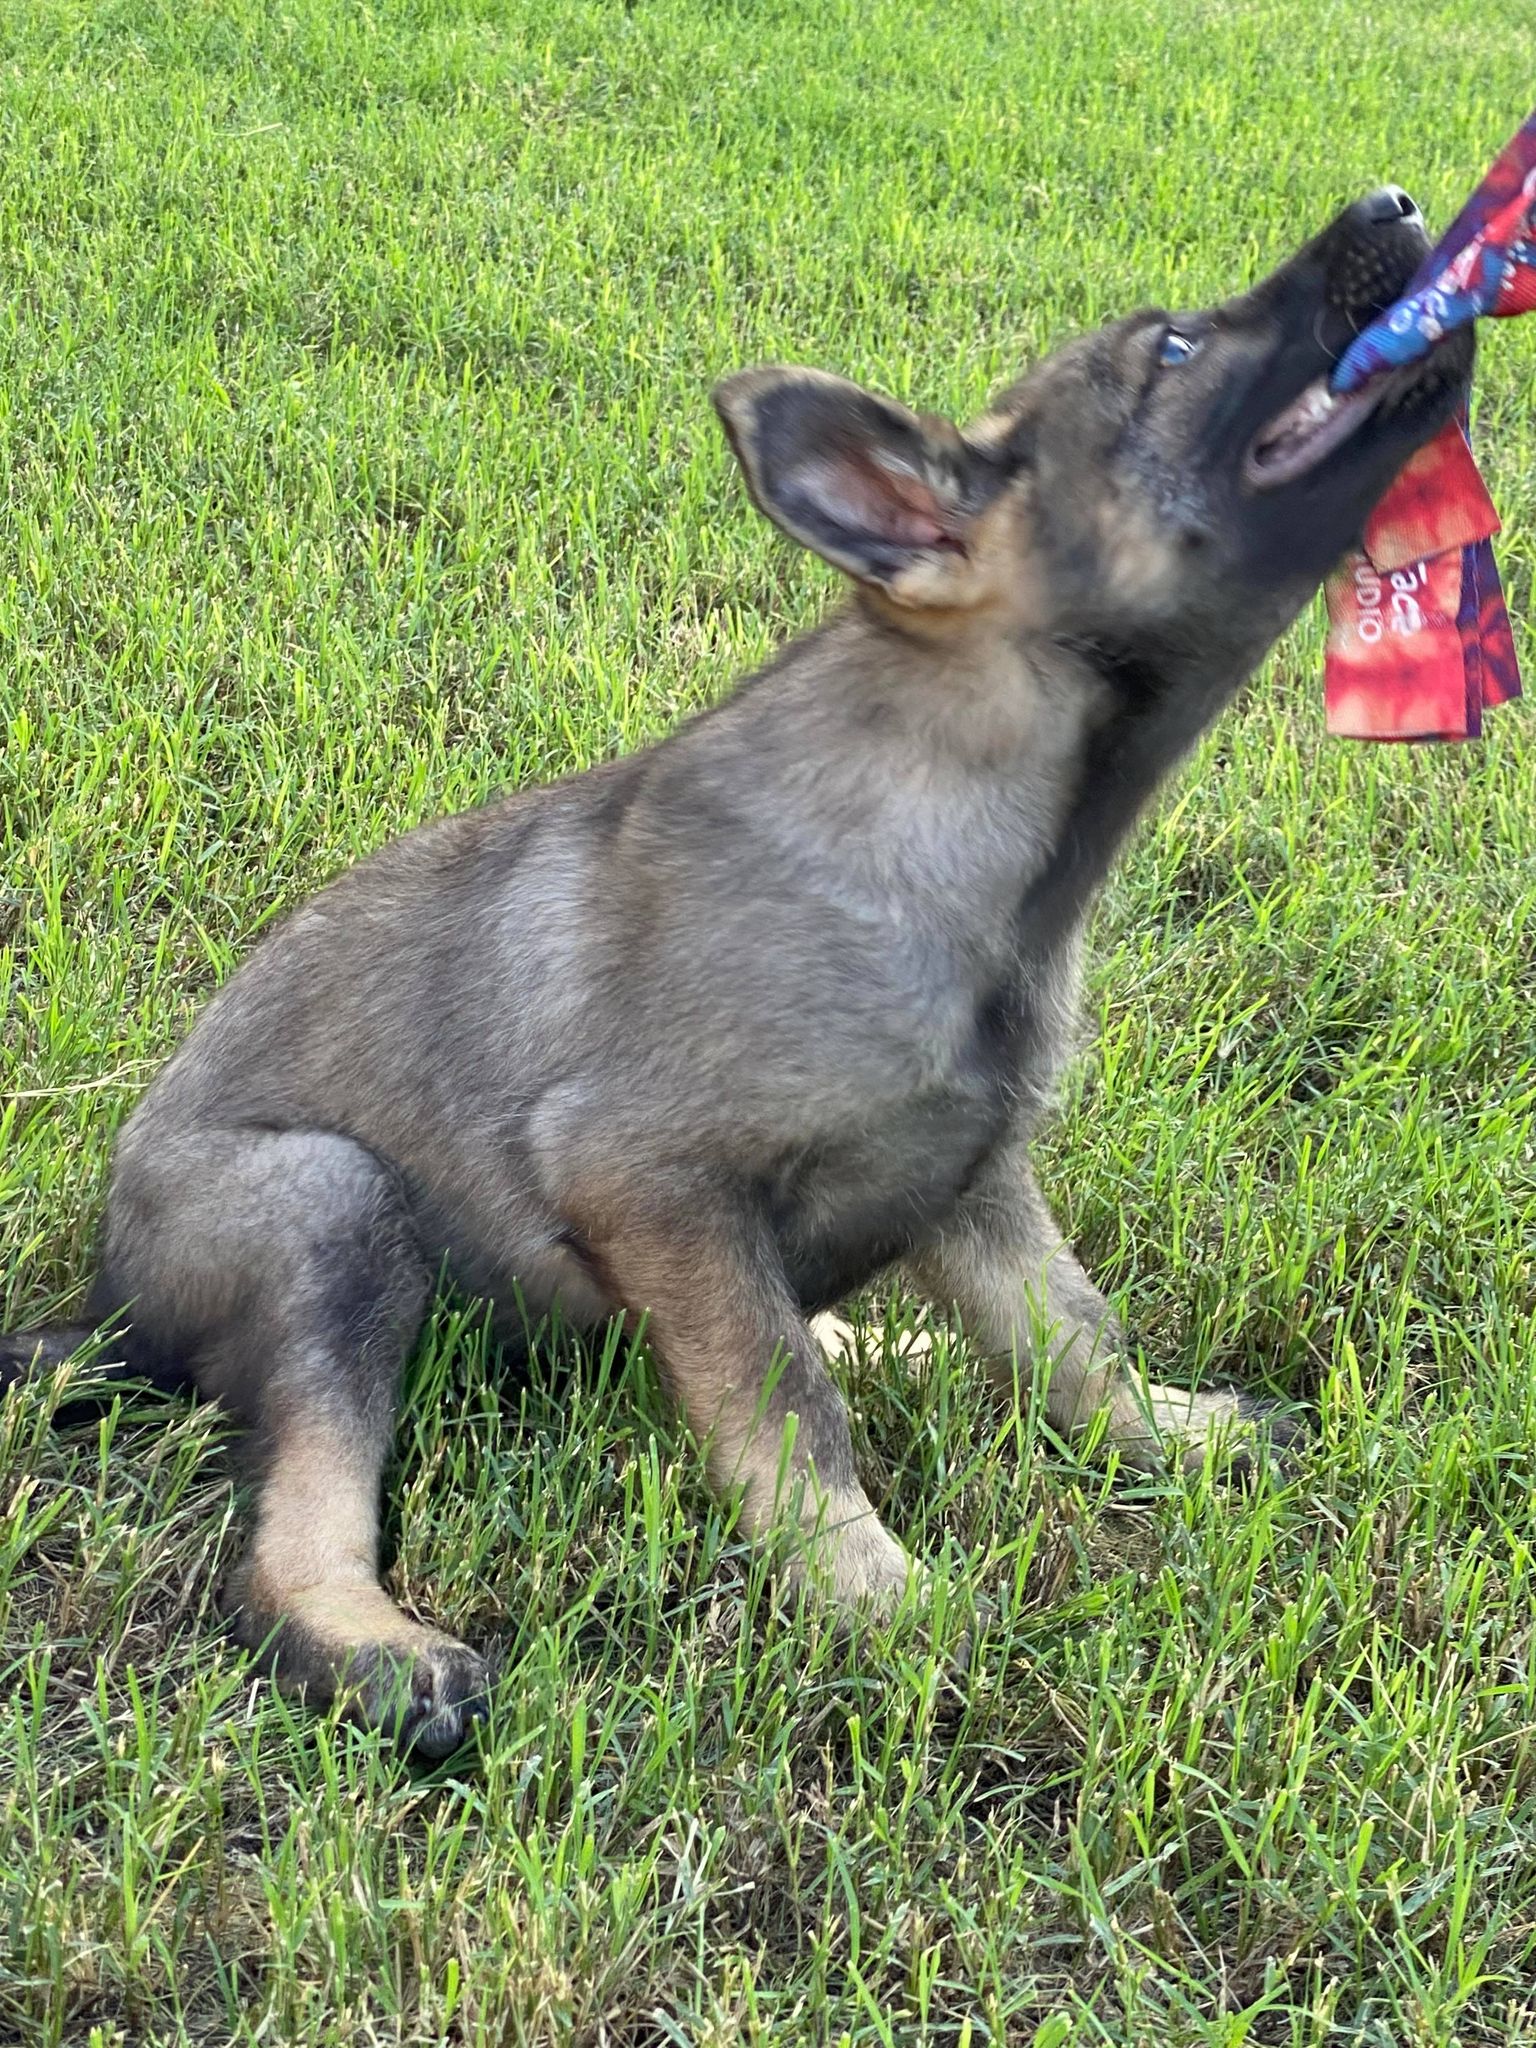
pixel 1176 348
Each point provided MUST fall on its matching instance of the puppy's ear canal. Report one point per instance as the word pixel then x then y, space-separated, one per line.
pixel 887 496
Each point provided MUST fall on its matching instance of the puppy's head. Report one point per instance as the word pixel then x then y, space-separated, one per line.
pixel 1174 479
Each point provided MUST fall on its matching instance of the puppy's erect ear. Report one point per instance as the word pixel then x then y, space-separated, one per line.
pixel 887 496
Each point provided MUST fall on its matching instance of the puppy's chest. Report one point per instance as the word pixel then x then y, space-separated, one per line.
pixel 861 1194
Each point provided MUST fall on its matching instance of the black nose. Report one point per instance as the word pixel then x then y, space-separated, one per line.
pixel 1389 203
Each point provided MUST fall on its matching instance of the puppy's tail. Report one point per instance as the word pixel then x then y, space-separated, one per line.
pixel 29 1354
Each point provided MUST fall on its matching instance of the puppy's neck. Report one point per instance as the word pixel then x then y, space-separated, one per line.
pixel 971 687
pixel 1152 704
pixel 1090 730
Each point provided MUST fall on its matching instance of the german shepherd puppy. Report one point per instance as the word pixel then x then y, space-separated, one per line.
pixel 715 1034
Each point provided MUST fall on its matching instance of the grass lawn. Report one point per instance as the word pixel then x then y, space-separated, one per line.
pixel 357 464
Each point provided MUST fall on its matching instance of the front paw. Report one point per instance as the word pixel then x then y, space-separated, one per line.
pixel 1245 1432
pixel 848 1557
pixel 847 1342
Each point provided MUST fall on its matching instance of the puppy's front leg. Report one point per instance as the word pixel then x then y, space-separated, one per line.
pixel 736 1356
pixel 1003 1263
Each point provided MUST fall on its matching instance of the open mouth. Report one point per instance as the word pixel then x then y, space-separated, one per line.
pixel 1313 425
pixel 1310 428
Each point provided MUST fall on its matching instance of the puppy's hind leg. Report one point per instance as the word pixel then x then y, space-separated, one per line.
pixel 288 1266
pixel 308 1591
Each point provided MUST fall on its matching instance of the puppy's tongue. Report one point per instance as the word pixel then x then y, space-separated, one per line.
pixel 1297 439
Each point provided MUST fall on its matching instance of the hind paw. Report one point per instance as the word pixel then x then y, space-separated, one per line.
pixel 427 1701
pixel 346 1641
